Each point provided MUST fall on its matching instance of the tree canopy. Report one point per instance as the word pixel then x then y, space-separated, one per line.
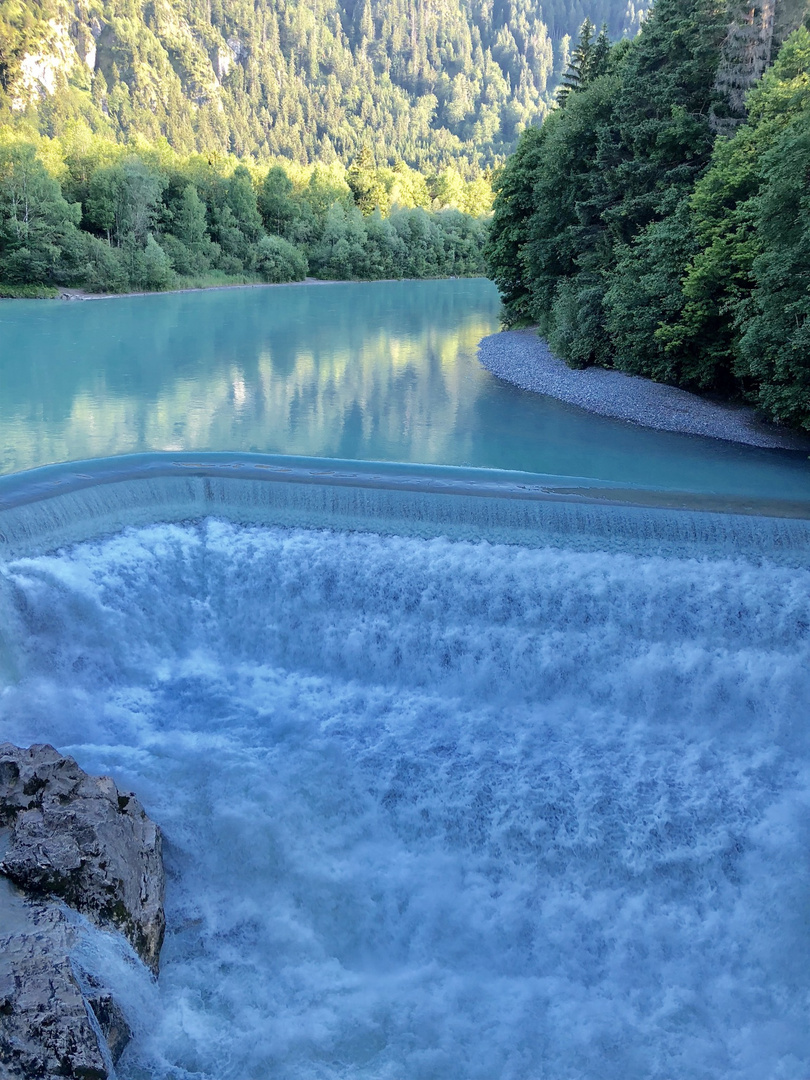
pixel 638 232
pixel 85 211
pixel 434 84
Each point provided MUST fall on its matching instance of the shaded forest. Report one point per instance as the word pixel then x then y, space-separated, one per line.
pixel 659 221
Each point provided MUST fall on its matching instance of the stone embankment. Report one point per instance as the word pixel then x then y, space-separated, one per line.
pixel 71 841
pixel 523 358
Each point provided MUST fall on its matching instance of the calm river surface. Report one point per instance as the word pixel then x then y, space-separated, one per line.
pixel 386 371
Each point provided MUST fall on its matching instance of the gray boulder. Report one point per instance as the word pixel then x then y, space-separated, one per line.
pixel 50 1024
pixel 78 838
pixel 69 839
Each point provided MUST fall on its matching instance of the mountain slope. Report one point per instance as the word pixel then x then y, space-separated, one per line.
pixel 430 82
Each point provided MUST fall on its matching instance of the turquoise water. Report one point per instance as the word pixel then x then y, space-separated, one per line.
pixel 381 372
pixel 462 775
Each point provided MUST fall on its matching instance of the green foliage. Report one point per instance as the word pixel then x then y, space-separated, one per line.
pixel 27 292
pixel 408 244
pixel 775 342
pixel 241 200
pixel 508 235
pixel 621 154
pixel 451 83
pixel 189 245
pixel 104 267
pixel 645 294
pixel 22 25
pixel 590 59
pixel 361 178
pixel 150 268
pixel 277 260
pixel 658 141
pixel 39 239
pixel 567 237
pixel 718 280
pixel 278 208
pixel 635 237
pixel 123 201
pixel 576 327
pixel 341 250
pixel 152 220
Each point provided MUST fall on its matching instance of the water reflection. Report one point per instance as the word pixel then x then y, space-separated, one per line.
pixel 384 371
pixel 345 370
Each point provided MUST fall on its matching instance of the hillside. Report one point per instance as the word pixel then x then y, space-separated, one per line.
pixel 659 221
pixel 428 82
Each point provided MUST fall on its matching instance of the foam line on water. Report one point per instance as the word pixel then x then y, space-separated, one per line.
pixel 441 809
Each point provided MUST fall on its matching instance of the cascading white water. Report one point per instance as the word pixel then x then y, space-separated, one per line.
pixel 443 809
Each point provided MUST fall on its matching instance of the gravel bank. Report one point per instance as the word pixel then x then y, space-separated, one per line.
pixel 523 358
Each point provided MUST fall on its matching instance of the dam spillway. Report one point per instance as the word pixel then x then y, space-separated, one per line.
pixel 461 773
pixel 44 508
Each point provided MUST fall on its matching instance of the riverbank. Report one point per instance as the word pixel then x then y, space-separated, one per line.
pixel 524 359
pixel 82 294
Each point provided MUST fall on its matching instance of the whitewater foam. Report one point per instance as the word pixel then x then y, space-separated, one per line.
pixel 442 809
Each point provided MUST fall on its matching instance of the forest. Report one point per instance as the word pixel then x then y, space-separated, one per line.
pixel 433 83
pixel 148 144
pixel 659 221
pixel 86 212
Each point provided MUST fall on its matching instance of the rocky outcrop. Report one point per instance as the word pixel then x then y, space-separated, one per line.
pixel 77 840
pixel 51 1013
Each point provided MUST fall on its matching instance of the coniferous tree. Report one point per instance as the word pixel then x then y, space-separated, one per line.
pixel 188 243
pixel 755 34
pixel 624 151
pixel 513 210
pixel 718 279
pixel 578 73
pixel 635 237
pixel 361 178
pixel 275 202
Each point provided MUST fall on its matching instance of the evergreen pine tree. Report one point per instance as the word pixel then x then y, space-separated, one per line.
pixel 579 66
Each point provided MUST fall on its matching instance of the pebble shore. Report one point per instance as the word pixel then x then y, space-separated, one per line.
pixel 523 358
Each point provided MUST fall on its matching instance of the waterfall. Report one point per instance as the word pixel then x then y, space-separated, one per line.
pixel 461 774
pixel 48 507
